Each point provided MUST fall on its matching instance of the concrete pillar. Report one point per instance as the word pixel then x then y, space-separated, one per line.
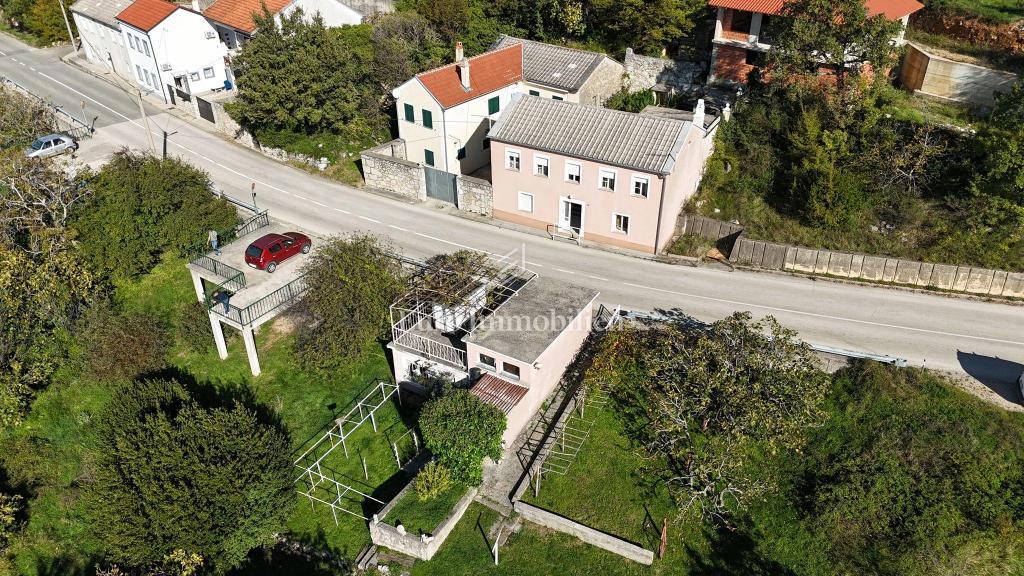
pixel 218 336
pixel 755 28
pixel 197 282
pixel 718 23
pixel 249 335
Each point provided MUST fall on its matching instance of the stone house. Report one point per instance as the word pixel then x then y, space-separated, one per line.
pixel 741 40
pixel 597 174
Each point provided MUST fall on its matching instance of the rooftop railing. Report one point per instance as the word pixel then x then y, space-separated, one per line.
pixel 278 299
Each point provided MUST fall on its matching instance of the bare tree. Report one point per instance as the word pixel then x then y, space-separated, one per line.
pixel 36 202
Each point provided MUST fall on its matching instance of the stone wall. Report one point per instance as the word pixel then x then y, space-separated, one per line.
pixel 584 533
pixel 603 83
pixel 422 547
pixel 645 72
pixel 968 279
pixel 385 168
pixel 475 195
pixel 944 78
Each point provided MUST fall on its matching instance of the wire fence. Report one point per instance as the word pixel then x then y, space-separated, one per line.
pixel 63 121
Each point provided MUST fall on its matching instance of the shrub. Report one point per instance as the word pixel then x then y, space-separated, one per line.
pixel 461 430
pixel 433 481
pixel 123 345
pixel 631 101
pixel 171 473
pixel 193 327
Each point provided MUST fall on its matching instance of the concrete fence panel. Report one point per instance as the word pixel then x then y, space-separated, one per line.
pixel 979 281
pixel 1014 285
pixel 584 533
pixel 943 276
pixel 943 78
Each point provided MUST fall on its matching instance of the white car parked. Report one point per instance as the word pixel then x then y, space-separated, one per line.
pixel 51 145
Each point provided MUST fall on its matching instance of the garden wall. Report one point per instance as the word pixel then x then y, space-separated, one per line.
pixel 585 533
pixel 944 78
pixel 422 546
pixel 475 195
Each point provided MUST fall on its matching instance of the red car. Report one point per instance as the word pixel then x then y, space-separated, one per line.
pixel 270 250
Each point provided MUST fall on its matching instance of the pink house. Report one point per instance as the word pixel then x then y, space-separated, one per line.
pixel 509 341
pixel 597 174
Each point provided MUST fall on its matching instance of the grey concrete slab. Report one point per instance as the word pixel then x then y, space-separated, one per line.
pixel 962 275
pixel 856 266
pixel 889 270
pixel 1014 285
pixel 821 263
pixel 873 267
pixel 943 276
pixel 839 264
pixel 998 281
pixel 926 274
pixel 908 271
pixel 806 258
pixel 979 281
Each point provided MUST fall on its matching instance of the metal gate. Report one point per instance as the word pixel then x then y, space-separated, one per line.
pixel 440 185
pixel 205 109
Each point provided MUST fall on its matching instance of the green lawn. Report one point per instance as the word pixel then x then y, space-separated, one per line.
pixel 998 11
pixel 423 517
pixel 50 451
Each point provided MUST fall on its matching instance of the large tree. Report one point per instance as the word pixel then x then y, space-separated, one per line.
pixel 460 430
pixel 143 206
pixel 173 474
pixel 716 406
pixel 837 35
pixel 352 281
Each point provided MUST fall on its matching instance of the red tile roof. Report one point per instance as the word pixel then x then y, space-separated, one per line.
pixel 488 72
pixel 499 393
pixel 146 14
pixel 892 9
pixel 238 13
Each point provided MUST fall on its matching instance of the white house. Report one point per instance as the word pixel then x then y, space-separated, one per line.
pixel 173 51
pixel 100 34
pixel 234 23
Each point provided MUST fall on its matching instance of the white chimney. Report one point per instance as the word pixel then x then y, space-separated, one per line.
pixel 459 53
pixel 698 114
pixel 463 65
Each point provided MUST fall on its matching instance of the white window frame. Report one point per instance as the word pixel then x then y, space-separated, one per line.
pixel 193 76
pixel 510 375
pixel 637 178
pixel 483 365
pixel 509 155
pixel 519 201
pixel 131 41
pixel 579 173
pixel 602 173
pixel 208 72
pixel 145 46
pixel 615 224
pixel 138 72
pixel 537 159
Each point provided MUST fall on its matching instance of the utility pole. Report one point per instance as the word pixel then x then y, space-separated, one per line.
pixel 166 134
pixel 145 119
pixel 68 24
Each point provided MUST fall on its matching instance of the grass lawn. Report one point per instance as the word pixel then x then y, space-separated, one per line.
pixel 998 11
pixel 50 451
pixel 423 517
pixel 530 552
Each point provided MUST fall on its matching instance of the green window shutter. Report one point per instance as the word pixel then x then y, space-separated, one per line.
pixel 534 93
pixel 410 113
pixel 428 119
pixel 493 105
pixel 428 157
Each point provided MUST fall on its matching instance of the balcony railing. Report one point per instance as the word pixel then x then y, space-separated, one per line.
pixel 401 334
pixel 278 299
pixel 234 279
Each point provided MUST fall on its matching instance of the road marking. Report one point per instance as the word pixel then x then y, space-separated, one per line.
pixel 91 99
pixel 301 197
pixel 397 227
pixel 528 263
pixel 598 278
pixel 321 204
pixel 563 270
pixel 824 316
pixel 368 219
pixel 452 243
pixel 342 211
pixel 32 68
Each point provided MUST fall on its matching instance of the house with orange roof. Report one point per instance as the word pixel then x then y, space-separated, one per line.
pixel 173 51
pixel 234 22
pixel 741 39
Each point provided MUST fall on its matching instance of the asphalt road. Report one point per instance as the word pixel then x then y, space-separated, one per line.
pixel 982 340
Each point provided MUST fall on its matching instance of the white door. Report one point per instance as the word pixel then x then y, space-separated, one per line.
pixel 571 216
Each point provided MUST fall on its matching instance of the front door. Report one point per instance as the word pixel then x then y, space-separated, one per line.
pixel 572 216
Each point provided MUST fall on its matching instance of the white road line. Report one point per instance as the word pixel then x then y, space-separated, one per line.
pixel 321 204
pixel 397 227
pixel 342 211
pixel 528 263
pixel 368 219
pixel 22 63
pixel 452 243
pixel 91 99
pixel 825 316
pixel 598 278
pixel 301 197
pixel 32 68
pixel 564 270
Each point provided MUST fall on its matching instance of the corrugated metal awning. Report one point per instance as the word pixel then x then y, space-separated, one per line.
pixel 497 392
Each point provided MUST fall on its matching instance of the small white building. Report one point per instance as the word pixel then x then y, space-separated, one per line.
pixel 174 51
pixel 233 19
pixel 100 34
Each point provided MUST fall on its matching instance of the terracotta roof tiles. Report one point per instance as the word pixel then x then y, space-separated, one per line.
pixel 146 14
pixel 238 13
pixel 488 72
pixel 892 9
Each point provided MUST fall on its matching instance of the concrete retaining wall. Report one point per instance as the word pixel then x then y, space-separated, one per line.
pixel 708 227
pixel 936 76
pixel 419 546
pixel 584 533
pixel 972 280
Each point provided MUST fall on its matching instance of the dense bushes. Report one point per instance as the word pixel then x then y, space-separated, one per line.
pixel 143 206
pixel 173 474
pixel 432 481
pixel 461 430
pixel 40 18
pixel 118 345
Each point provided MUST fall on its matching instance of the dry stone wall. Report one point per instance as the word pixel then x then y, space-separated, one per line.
pixel 385 168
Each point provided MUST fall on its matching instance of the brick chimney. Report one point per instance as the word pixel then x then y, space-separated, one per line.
pixel 463 65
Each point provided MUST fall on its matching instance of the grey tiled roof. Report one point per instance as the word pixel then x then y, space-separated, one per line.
pixel 101 10
pixel 555 66
pixel 523 327
pixel 646 143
